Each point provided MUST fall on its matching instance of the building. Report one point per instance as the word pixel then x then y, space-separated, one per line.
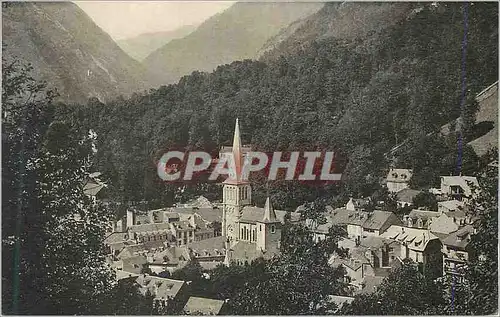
pixel 93 186
pixel 458 187
pixel 456 210
pixel 456 251
pixel 443 225
pixel 164 290
pixel 487 116
pixel 357 224
pixel 404 197
pixel 417 244
pixel 250 231
pixel 398 179
pixel 339 302
pixel 421 219
pixel 209 252
pixel 203 306
pixel 169 259
pixel 357 204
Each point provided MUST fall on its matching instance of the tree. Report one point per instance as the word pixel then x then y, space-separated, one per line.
pixel 53 257
pixel 404 292
pixel 425 199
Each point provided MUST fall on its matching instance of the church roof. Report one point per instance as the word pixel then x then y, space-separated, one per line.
pixel 252 214
pixel 246 251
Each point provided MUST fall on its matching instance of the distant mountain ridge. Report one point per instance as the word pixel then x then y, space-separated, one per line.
pixel 343 20
pixel 234 34
pixel 68 50
pixel 139 47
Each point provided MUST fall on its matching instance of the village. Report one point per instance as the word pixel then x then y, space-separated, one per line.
pixel 148 246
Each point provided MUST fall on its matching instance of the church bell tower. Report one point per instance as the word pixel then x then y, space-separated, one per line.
pixel 237 193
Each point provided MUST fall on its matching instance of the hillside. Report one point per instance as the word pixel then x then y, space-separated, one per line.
pixel 342 20
pixel 359 97
pixel 67 49
pixel 139 47
pixel 234 34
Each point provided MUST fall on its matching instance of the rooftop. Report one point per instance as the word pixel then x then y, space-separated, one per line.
pixel 399 175
pixel 160 288
pixel 414 238
pixel 460 238
pixel 407 195
pixel 203 306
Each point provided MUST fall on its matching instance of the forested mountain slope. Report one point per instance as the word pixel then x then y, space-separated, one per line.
pixel 67 49
pixel 342 20
pixel 358 96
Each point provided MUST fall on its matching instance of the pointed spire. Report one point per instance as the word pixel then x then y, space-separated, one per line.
pixel 269 214
pixel 237 150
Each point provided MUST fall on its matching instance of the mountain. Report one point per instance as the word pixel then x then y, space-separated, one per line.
pixel 360 97
pixel 342 20
pixel 139 47
pixel 68 50
pixel 234 34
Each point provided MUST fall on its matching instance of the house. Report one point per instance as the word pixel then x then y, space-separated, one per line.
pixel 398 179
pixel 164 290
pixel 378 221
pixel 356 223
pixel 458 187
pixel 356 265
pixel 418 218
pixel 487 115
pixel 93 186
pixel 339 302
pixel 357 204
pixel 116 241
pixel 456 210
pixel 151 232
pixel 209 252
pixel 370 284
pixel 417 244
pixel 135 264
pixel 404 197
pixel 203 306
pixel 443 225
pixel 456 252
pixel 169 259
pixel 120 275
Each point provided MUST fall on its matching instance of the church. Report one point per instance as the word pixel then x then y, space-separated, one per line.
pixel 250 232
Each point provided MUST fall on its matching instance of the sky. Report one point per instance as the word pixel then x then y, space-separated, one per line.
pixel 125 19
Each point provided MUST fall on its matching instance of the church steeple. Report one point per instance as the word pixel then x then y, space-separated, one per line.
pixel 237 192
pixel 235 177
pixel 238 158
pixel 269 214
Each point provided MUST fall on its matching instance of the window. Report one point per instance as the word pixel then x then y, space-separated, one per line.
pixel 260 228
pixel 273 229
